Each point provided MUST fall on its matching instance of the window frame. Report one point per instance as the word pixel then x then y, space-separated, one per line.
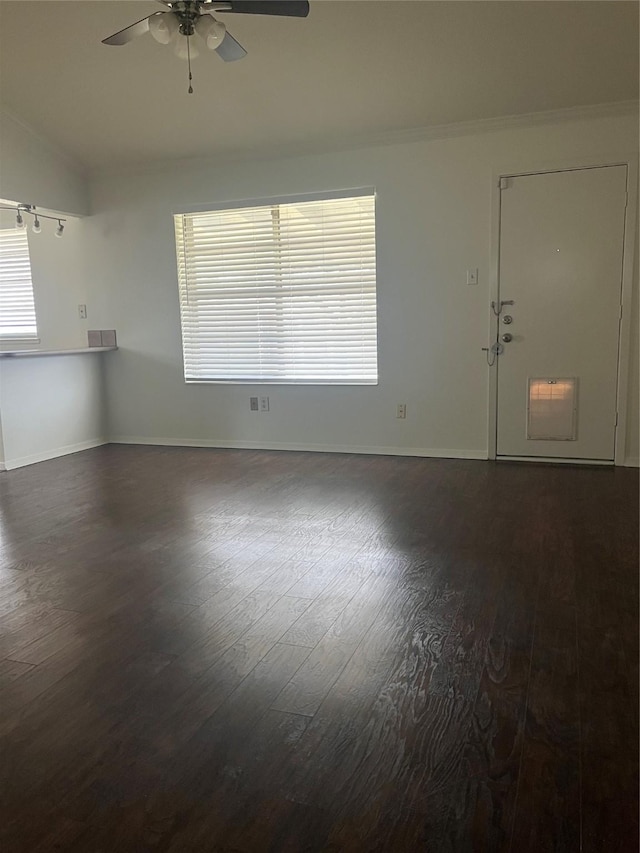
pixel 266 202
pixel 8 338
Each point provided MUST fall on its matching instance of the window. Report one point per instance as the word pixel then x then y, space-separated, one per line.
pixel 283 292
pixel 17 310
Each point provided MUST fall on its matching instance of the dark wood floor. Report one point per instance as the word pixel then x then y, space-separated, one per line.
pixel 235 651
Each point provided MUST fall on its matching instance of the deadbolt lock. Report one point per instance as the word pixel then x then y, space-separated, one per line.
pixel 507 319
pixel 507 338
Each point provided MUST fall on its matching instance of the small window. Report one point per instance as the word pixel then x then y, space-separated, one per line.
pixel 17 309
pixel 282 293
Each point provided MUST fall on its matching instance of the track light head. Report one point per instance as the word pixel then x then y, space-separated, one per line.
pixel 20 210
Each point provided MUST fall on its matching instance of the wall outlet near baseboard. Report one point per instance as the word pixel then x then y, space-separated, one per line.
pixel 264 404
pixel 253 404
pixel 401 411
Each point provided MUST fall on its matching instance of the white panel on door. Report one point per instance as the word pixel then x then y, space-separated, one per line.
pixel 552 403
pixel 561 245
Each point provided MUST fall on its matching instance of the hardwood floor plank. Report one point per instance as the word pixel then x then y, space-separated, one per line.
pixel 11 669
pixel 357 743
pixel 611 825
pixel 312 584
pixel 317 619
pixel 200 656
pixel 307 689
pixel 250 651
pixel 207 773
pixel 548 811
pixel 484 811
pixel 286 576
pixel 29 624
pixel 60 640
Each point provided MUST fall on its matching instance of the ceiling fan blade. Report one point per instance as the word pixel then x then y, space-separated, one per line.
pixel 289 8
pixel 129 33
pixel 229 49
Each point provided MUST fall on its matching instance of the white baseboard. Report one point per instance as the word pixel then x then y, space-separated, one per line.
pixel 314 448
pixel 374 450
pixel 20 462
pixel 556 460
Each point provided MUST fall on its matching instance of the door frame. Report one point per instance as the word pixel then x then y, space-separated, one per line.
pixel 624 341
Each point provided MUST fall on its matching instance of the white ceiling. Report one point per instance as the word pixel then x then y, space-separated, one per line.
pixel 349 69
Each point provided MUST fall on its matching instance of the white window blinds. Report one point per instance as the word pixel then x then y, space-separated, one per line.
pixel 17 310
pixel 280 293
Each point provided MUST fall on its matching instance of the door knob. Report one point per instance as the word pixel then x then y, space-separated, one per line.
pixel 507 337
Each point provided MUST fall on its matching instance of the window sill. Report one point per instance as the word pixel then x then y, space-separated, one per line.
pixel 34 353
pixel 329 383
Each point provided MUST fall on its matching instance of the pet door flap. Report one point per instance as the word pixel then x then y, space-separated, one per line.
pixel 552 403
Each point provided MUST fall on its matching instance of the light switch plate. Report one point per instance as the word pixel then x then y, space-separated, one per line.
pixel 472 276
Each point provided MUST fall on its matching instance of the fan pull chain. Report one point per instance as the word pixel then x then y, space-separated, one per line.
pixel 190 89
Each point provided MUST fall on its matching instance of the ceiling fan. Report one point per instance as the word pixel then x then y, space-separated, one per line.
pixel 183 19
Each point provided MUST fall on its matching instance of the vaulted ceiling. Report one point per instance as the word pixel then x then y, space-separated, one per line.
pixel 349 69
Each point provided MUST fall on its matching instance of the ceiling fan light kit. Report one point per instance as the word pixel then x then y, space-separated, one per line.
pixel 185 47
pixel 211 31
pixel 163 26
pixel 186 18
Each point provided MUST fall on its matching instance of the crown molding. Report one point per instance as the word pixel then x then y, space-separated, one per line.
pixel 382 139
pixel 489 125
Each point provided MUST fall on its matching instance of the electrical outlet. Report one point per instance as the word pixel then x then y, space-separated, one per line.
pixel 264 404
pixel 82 312
pixel 253 404
pixel 401 410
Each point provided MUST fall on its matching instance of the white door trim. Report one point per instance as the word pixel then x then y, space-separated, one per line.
pixel 624 346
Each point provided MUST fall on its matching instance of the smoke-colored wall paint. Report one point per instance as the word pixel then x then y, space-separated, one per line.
pixel 50 406
pixel 59 285
pixel 433 222
pixel 34 172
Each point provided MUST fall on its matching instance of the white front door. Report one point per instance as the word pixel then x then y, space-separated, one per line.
pixel 561 247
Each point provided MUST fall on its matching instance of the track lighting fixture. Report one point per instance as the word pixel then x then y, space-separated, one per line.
pixel 21 209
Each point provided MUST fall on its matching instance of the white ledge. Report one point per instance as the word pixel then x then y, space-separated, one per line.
pixel 32 353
